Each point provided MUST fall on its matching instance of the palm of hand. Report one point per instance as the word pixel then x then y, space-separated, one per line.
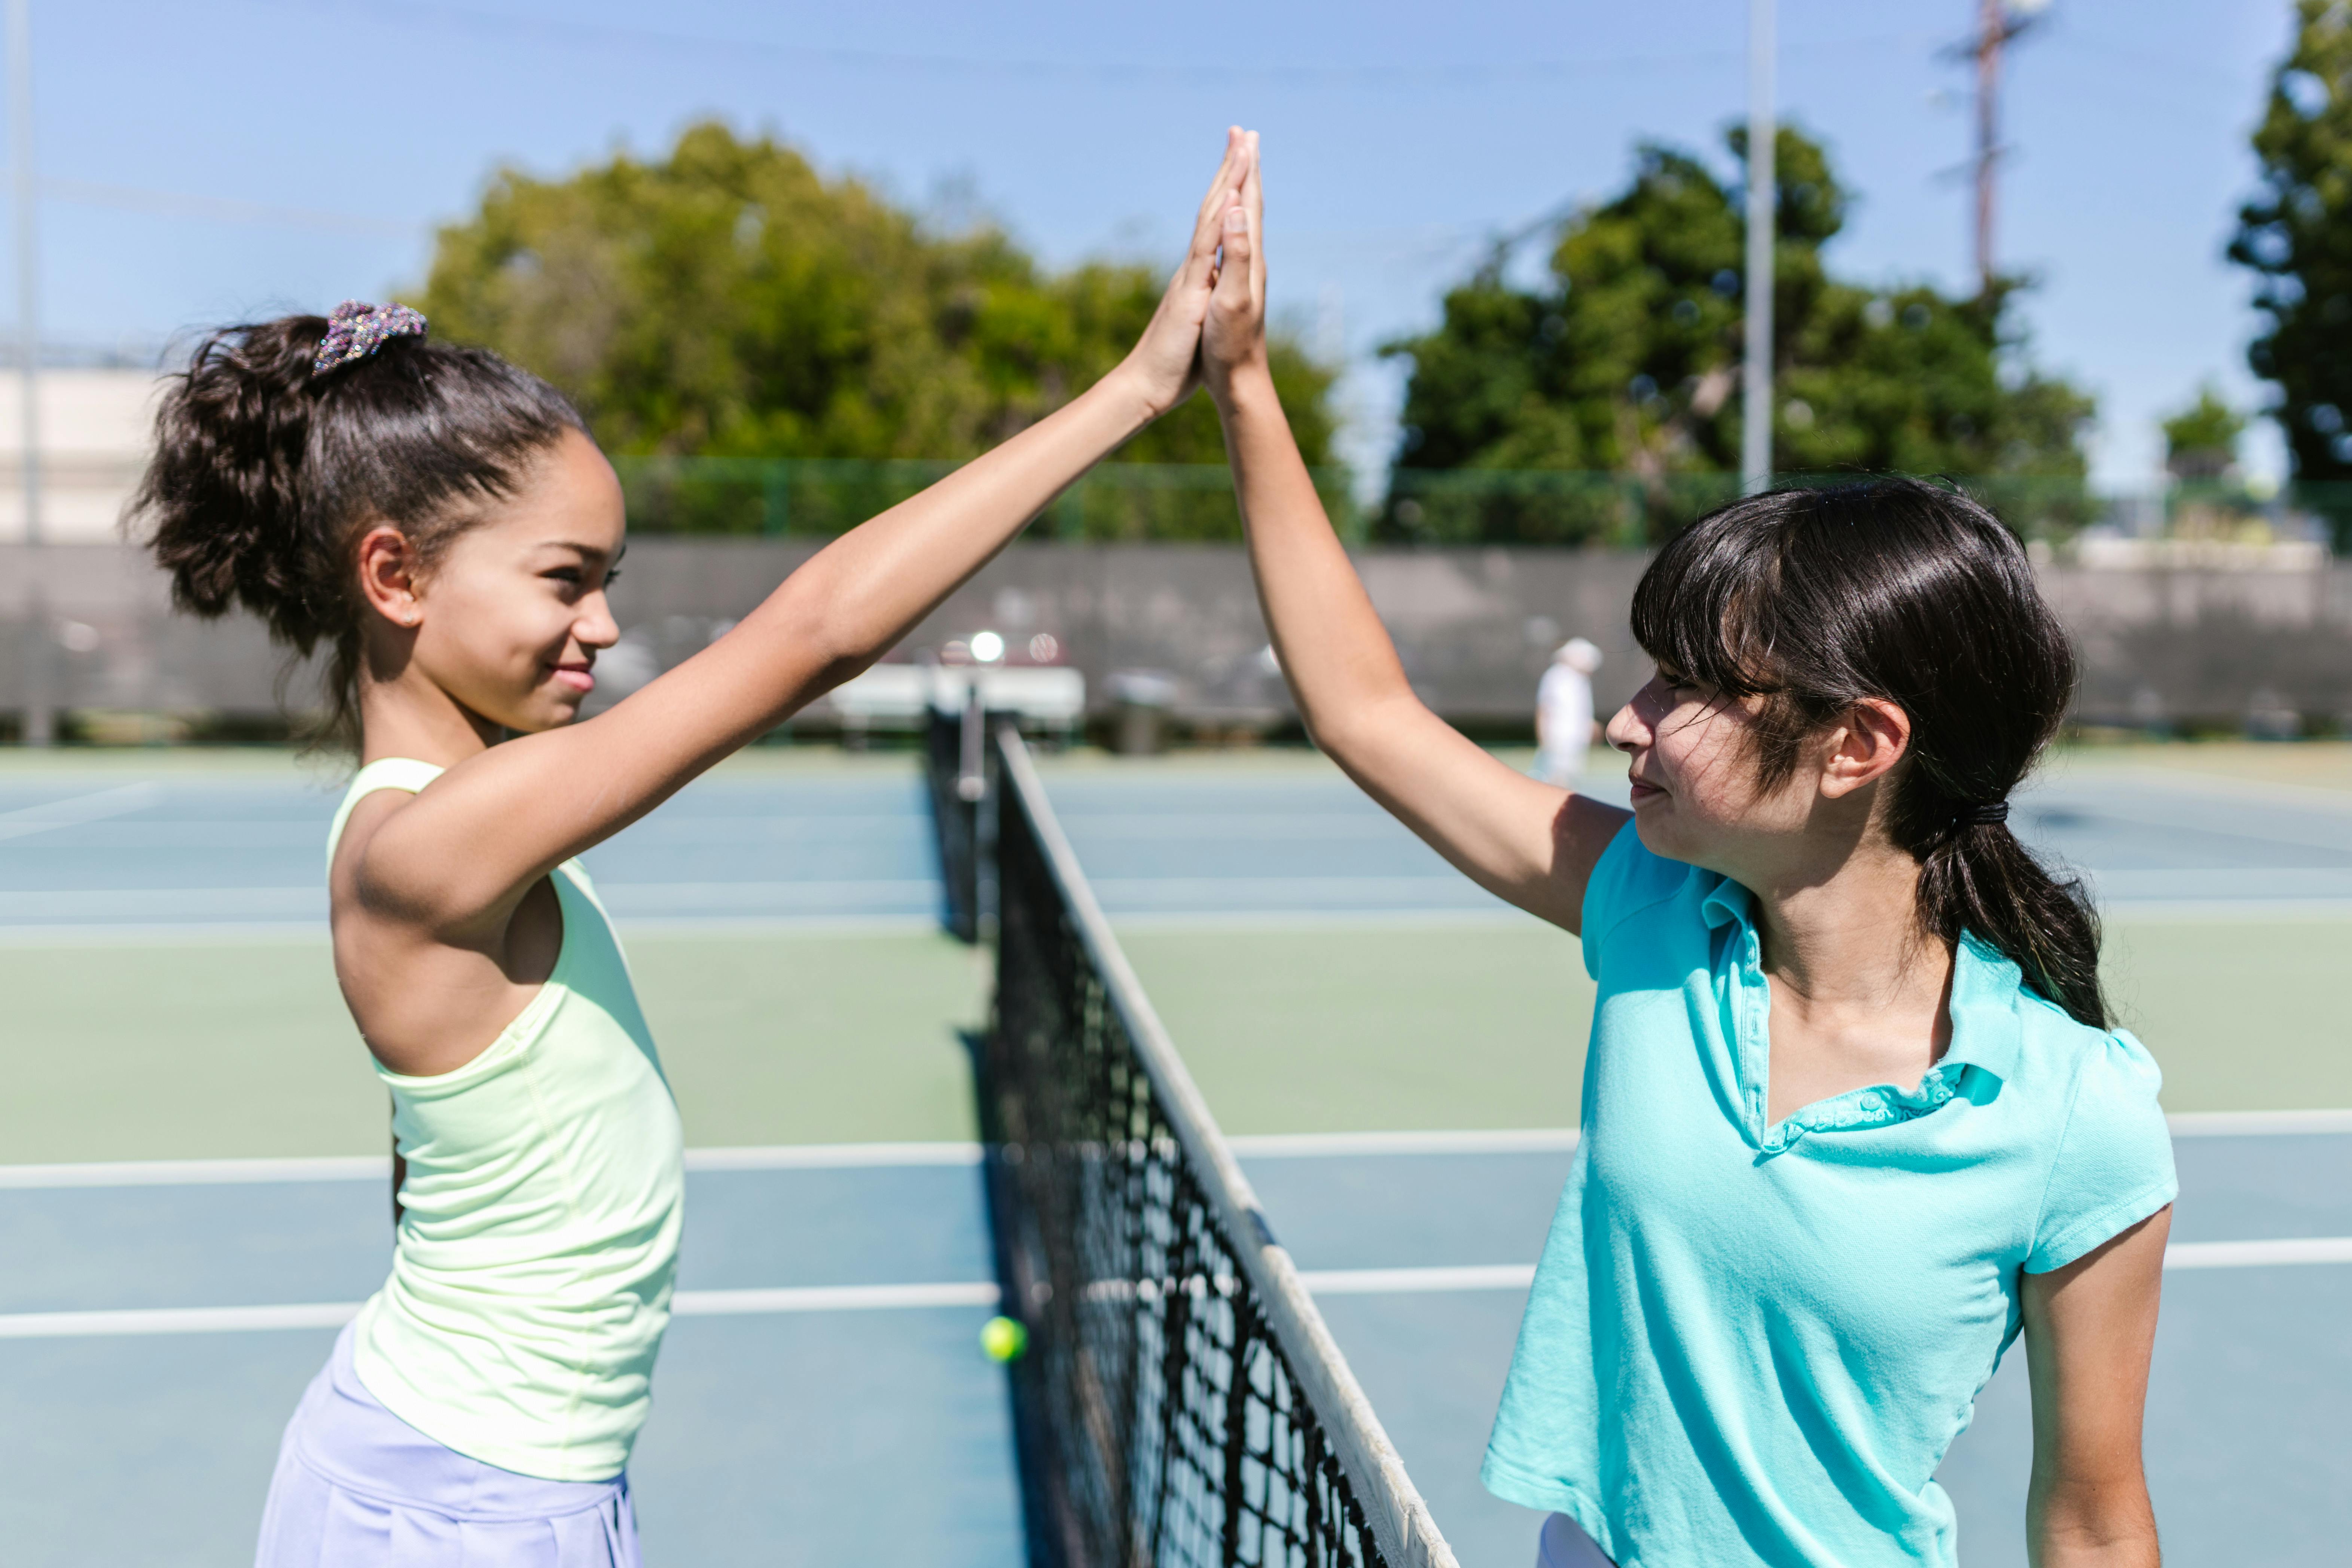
pixel 1234 335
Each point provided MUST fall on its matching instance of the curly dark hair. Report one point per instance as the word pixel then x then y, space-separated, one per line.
pixel 266 474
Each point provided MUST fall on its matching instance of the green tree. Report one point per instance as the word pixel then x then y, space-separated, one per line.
pixel 2295 235
pixel 728 301
pixel 2201 442
pixel 1626 362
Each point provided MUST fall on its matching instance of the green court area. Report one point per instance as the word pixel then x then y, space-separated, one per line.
pixel 188 1049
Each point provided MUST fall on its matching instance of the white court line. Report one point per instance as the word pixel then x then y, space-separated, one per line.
pixel 197 1172
pixel 831 1156
pixel 95 906
pixel 166 934
pixel 2258 1254
pixel 378 1167
pixel 1442 1279
pixel 174 1321
pixel 1282 922
pixel 782 926
pixel 2224 912
pixel 2229 788
pixel 77 809
pixel 835 1298
pixel 1325 1145
pixel 797 896
pixel 2257 1123
pixel 1417 1281
pixel 314 933
pixel 334 1314
pixel 1316 822
pixel 1359 891
pixel 849 1156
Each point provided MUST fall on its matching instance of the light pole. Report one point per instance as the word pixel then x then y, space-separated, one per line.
pixel 40 713
pixel 1756 406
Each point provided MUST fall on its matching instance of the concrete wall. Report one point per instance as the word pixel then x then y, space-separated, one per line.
pixel 1475 627
pixel 95 426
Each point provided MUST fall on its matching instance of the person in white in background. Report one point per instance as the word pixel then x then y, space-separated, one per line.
pixel 1564 713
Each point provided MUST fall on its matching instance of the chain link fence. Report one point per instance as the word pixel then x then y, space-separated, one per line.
pixel 1135 503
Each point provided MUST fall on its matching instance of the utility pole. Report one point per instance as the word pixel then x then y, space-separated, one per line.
pixel 1756 404
pixel 40 711
pixel 1998 22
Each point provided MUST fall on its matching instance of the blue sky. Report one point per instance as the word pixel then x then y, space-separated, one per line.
pixel 209 161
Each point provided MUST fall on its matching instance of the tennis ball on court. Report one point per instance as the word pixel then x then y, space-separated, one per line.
pixel 1003 1339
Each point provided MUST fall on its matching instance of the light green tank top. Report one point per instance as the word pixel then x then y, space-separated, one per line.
pixel 531 1281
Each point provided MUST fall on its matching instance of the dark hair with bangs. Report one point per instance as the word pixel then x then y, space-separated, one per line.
pixel 1813 600
pixel 266 471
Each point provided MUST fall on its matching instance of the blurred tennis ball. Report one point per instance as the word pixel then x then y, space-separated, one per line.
pixel 1003 1339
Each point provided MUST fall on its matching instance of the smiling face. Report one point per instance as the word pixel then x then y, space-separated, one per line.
pixel 1693 765
pixel 510 615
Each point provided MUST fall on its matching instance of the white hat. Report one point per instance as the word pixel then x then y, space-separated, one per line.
pixel 1578 654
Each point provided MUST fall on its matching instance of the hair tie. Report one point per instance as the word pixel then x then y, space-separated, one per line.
pixel 1983 814
pixel 358 328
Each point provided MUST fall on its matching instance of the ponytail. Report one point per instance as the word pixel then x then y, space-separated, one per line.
pixel 1815 600
pixel 222 495
pixel 1980 878
pixel 266 468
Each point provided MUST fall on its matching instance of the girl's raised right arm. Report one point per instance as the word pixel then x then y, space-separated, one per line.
pixel 494 824
pixel 1523 841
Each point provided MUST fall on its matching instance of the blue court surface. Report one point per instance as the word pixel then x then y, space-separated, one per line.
pixel 821 1398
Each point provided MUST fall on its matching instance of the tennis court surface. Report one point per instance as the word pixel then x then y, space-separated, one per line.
pixel 194 1184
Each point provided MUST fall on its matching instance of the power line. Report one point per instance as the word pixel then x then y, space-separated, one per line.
pixel 224 209
pixel 1466 73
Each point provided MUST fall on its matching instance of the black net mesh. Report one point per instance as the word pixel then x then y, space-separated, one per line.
pixel 1160 1423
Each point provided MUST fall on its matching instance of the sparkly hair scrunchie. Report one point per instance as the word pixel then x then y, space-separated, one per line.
pixel 358 328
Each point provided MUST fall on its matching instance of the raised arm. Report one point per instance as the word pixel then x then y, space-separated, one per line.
pixel 1527 842
pixel 488 828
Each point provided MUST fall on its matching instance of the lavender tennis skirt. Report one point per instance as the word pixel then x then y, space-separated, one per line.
pixel 359 1487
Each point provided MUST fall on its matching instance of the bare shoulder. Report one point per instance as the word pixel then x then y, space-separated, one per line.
pixel 1582 829
pixel 357 879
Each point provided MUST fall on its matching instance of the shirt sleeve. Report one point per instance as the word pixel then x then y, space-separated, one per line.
pixel 2114 1166
pixel 1626 878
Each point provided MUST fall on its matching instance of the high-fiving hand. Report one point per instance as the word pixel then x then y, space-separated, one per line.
pixel 1165 364
pixel 1232 338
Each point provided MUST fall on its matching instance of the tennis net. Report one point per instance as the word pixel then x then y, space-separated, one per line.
pixel 1180 1401
pixel 958 764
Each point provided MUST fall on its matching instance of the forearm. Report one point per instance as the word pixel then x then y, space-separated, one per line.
pixel 2090 1330
pixel 839 611
pixel 1336 654
pixel 855 598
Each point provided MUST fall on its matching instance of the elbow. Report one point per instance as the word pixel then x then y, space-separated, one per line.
pixel 828 637
pixel 1332 734
pixel 1348 731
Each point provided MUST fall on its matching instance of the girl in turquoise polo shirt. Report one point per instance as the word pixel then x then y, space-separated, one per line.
pixel 1855 1114
pixel 438 524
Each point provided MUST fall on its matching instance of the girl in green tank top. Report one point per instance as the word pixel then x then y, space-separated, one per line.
pixel 440 523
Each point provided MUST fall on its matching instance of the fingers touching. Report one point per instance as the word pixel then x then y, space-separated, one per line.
pixel 1220 274
pixel 1199 265
pixel 1241 274
pixel 1253 205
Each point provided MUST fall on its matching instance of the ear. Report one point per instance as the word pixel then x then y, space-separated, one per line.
pixel 1876 735
pixel 389 572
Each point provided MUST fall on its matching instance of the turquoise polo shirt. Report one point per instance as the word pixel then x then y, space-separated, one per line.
pixel 1751 1343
